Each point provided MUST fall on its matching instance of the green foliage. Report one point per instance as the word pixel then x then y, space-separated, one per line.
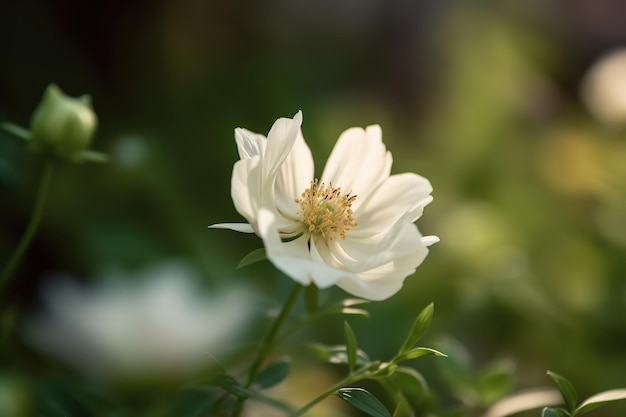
pixel 273 373
pixel 351 346
pixel 418 352
pixel 553 412
pixel 567 390
pixel 600 399
pixel 364 401
pixel 257 255
pixel 338 354
pixel 418 328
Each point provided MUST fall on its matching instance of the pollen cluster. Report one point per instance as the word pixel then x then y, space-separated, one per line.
pixel 326 211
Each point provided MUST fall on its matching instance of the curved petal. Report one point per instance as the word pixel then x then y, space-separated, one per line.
pixel 380 283
pixel 358 163
pixel 294 258
pixel 280 142
pixel 395 197
pixel 237 227
pixel 429 240
pixel 386 279
pixel 293 178
pixel 245 187
pixel 249 144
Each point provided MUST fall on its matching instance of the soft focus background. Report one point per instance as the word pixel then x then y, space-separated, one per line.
pixel 499 103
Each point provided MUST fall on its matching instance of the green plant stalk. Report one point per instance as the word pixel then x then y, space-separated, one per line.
pixel 267 345
pixel 31 229
pixel 359 375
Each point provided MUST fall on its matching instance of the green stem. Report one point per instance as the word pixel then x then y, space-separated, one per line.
pixel 28 235
pixel 350 379
pixel 268 344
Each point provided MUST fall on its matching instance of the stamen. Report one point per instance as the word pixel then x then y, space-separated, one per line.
pixel 325 211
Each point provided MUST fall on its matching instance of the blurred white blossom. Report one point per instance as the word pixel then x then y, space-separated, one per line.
pixel 158 323
pixel 352 228
pixel 604 87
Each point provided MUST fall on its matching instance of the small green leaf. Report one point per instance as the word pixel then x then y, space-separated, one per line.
pixel 255 256
pixel 230 384
pixel 350 345
pixel 554 412
pixel 567 390
pixel 418 329
pixel 338 354
pixel 364 401
pixel 311 296
pixel 16 130
pixel 417 352
pixel 273 373
pixel 600 399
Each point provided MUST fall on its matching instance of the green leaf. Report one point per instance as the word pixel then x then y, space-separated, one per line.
pixel 311 296
pixel 364 401
pixel 350 345
pixel 600 399
pixel 230 384
pixel 496 381
pixel 417 352
pixel 338 354
pixel 418 329
pixel 554 412
pixel 16 130
pixel 273 373
pixel 255 256
pixel 567 390
pixel 411 382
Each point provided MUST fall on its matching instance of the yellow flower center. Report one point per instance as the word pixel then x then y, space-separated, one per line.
pixel 326 211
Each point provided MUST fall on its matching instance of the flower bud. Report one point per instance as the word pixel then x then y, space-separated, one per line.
pixel 63 125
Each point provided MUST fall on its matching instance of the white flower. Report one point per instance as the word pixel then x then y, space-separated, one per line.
pixel 604 88
pixel 352 228
pixel 156 324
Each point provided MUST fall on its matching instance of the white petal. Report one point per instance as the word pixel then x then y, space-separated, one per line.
pixel 380 283
pixel 280 142
pixel 294 258
pixel 249 144
pixel 245 188
pixel 384 280
pixel 395 197
pixel 293 178
pixel 429 240
pixel 358 163
pixel 237 227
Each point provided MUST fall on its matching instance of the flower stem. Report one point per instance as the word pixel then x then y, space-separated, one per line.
pixel 350 379
pixel 35 218
pixel 268 344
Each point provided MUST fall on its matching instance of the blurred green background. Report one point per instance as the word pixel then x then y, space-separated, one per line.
pixel 481 97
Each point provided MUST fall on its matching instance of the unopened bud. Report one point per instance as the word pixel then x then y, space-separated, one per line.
pixel 63 125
